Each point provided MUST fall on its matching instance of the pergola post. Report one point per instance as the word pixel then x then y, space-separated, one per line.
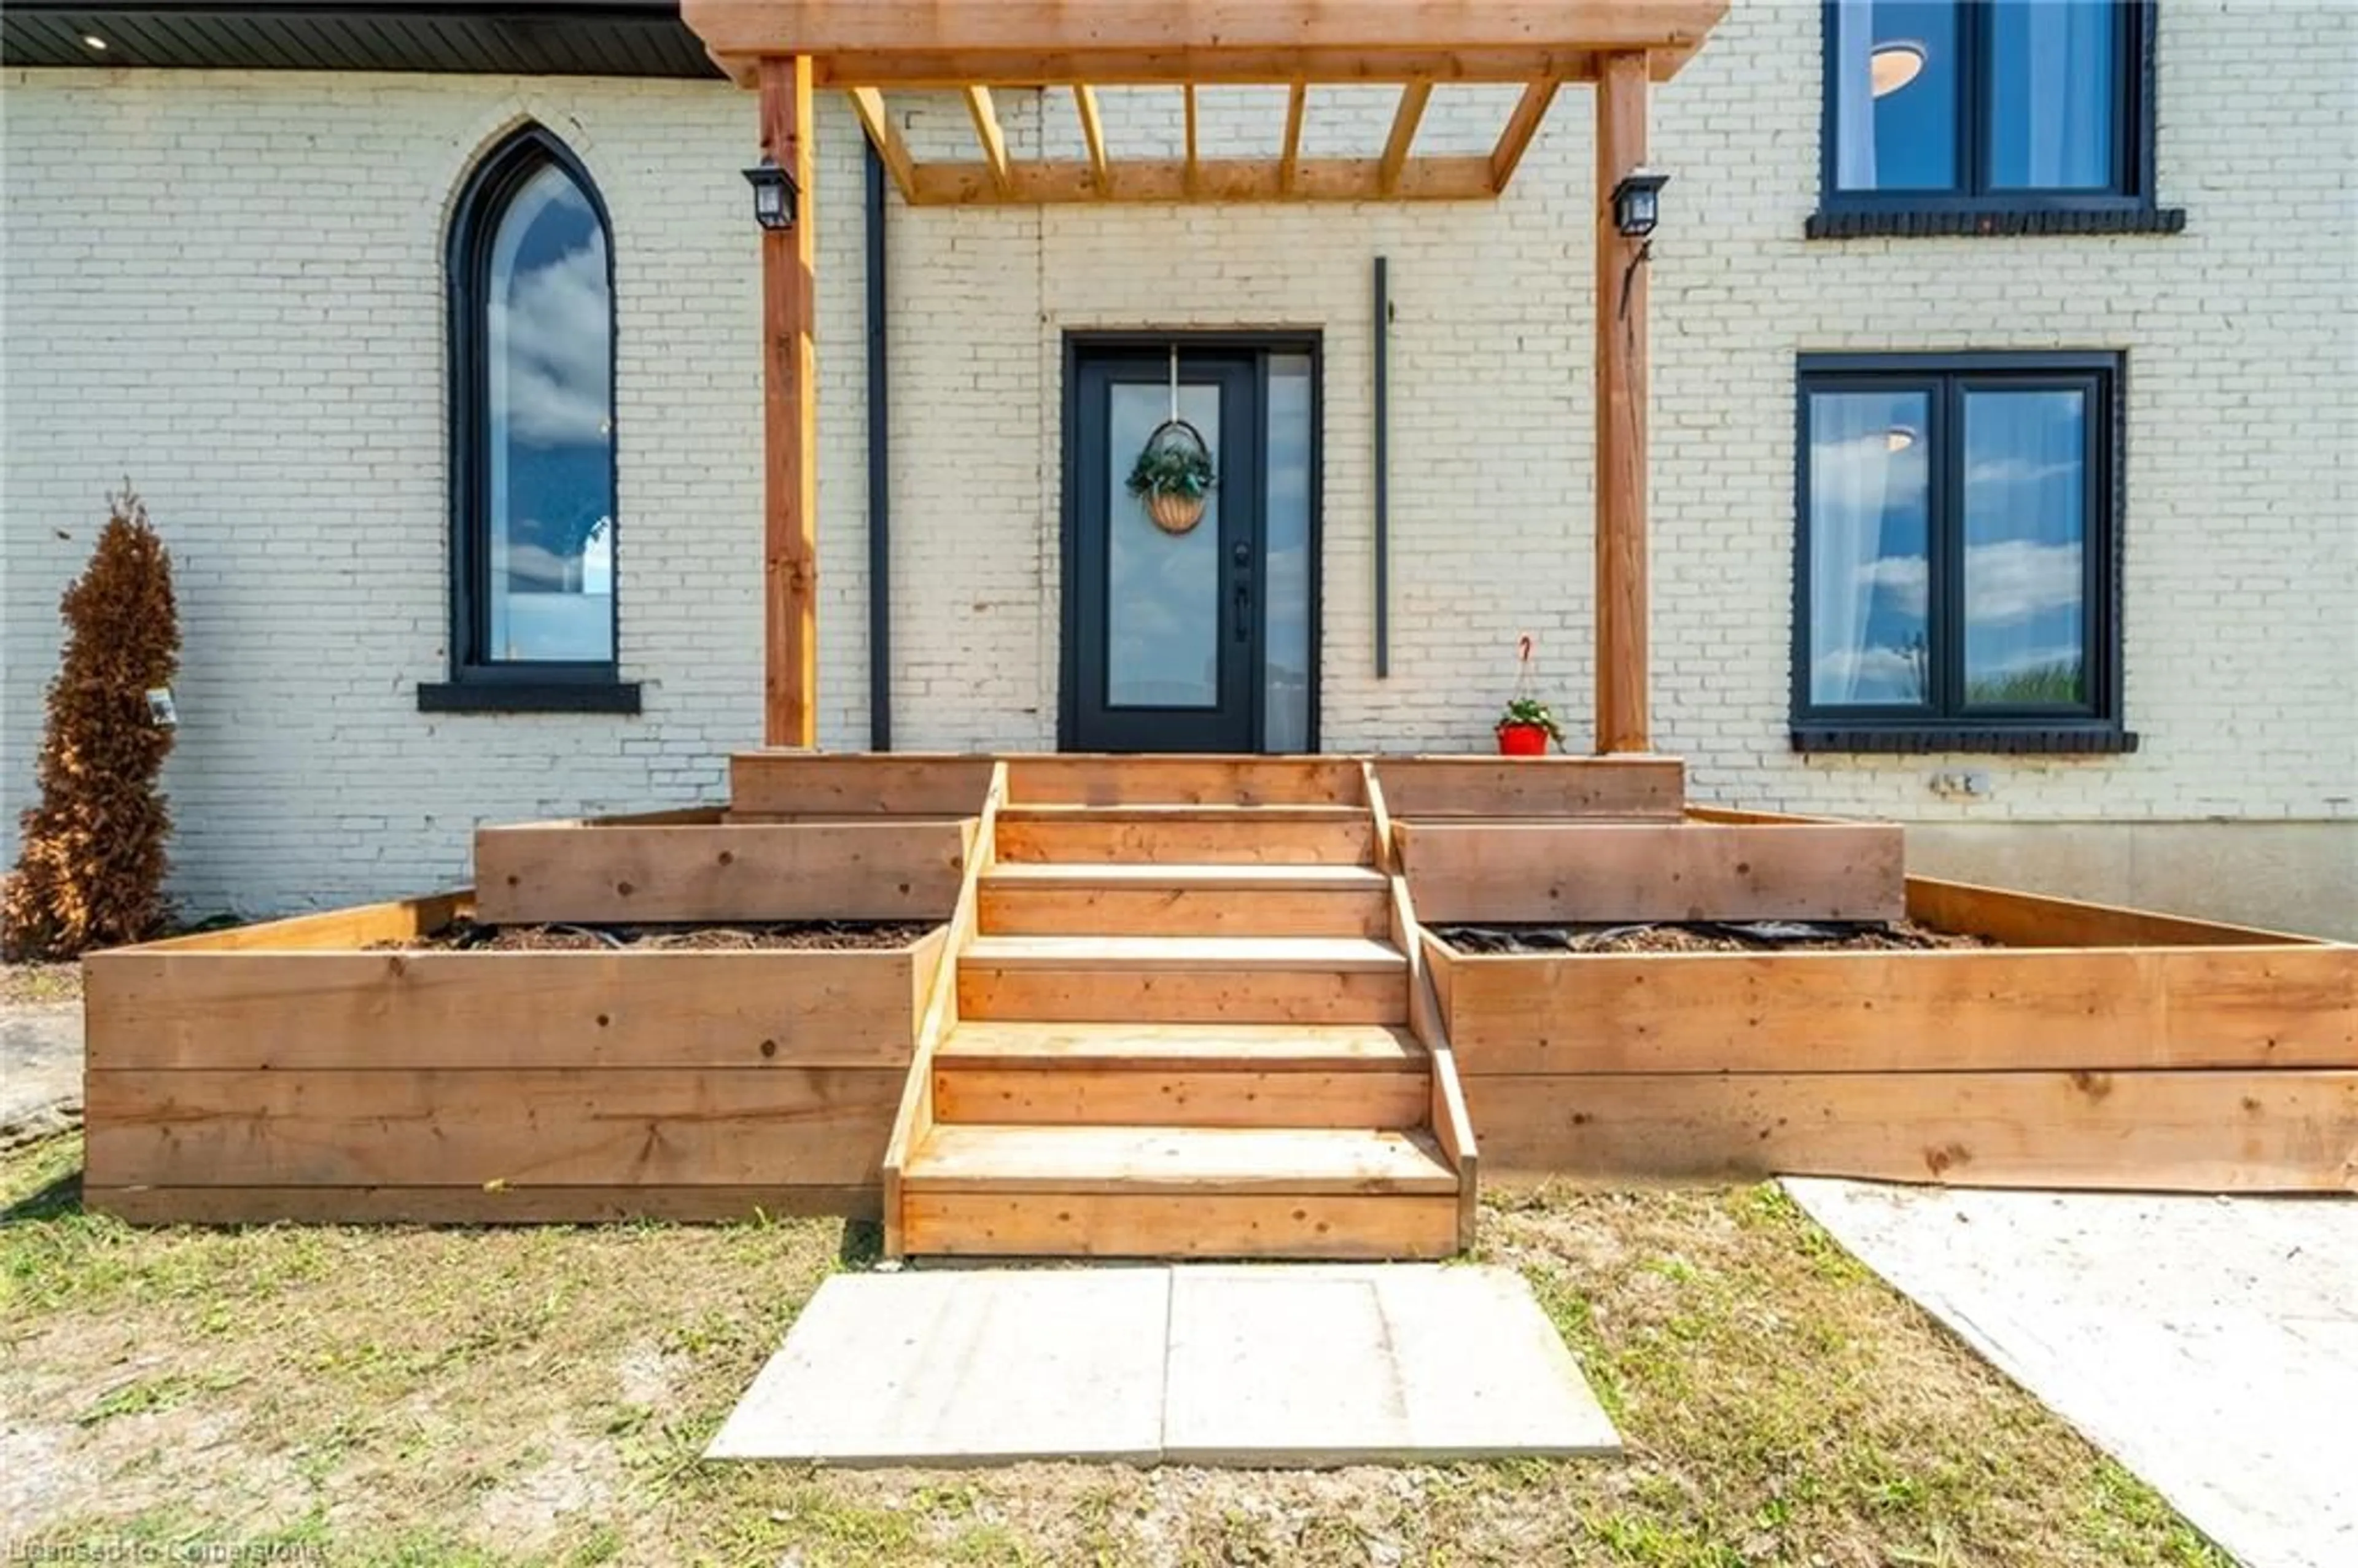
pixel 1621 590
pixel 790 423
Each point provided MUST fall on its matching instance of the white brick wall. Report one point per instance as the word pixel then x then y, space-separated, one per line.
pixel 262 354
pixel 268 365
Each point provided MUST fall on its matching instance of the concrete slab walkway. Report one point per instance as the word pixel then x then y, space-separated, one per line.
pixel 2209 1345
pixel 1211 1365
pixel 40 1070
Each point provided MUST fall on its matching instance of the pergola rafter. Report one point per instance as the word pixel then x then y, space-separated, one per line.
pixel 1002 179
pixel 1085 103
pixel 790 50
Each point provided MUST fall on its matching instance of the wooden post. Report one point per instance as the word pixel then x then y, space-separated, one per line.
pixel 1621 593
pixel 789 425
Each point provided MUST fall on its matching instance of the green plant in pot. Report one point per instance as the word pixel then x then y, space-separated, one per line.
pixel 1174 476
pixel 1527 727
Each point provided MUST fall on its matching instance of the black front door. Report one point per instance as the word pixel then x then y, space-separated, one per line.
pixel 1163 631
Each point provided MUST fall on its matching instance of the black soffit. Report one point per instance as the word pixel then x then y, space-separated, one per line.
pixel 530 37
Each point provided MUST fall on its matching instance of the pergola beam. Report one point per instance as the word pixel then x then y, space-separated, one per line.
pixel 1276 67
pixel 1146 41
pixel 1405 119
pixel 1521 126
pixel 868 105
pixel 1084 101
pixel 986 131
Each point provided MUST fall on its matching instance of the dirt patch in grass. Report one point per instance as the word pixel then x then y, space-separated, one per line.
pixel 37 985
pixel 1705 937
pixel 830 935
pixel 540 1396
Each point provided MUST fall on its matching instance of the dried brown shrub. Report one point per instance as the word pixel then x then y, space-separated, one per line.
pixel 91 871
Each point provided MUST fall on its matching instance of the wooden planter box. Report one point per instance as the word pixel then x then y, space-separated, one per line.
pixel 1555 788
pixel 286 1071
pixel 698 868
pixel 1568 872
pixel 2102 1048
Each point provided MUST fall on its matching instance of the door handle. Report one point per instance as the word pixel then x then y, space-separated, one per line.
pixel 1244 612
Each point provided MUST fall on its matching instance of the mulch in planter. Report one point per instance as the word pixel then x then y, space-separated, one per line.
pixel 840 936
pixel 1705 937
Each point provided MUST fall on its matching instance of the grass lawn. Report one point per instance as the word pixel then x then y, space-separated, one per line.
pixel 457 1397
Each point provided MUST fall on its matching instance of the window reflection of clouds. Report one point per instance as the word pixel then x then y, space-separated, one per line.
pixel 549 316
pixel 550 380
pixel 2022 547
pixel 2025 526
pixel 1869 560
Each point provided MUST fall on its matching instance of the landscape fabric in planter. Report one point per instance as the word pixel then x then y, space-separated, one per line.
pixel 1702 936
pixel 825 936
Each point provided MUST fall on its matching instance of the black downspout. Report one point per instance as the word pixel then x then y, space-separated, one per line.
pixel 880 465
pixel 1383 468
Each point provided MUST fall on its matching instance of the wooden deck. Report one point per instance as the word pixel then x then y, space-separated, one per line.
pixel 1189 1007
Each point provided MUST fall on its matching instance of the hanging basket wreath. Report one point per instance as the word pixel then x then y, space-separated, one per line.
pixel 1174 476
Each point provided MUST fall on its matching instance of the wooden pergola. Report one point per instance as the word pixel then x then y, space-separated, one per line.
pixel 789 50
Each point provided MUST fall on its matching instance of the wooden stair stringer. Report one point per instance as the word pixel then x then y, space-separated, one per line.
pixel 1452 1124
pixel 913 1119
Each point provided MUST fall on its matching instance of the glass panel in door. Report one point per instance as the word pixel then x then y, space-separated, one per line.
pixel 1163 591
pixel 1285 553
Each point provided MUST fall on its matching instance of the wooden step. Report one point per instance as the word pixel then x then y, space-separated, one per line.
pixel 1241 877
pixel 1183 1047
pixel 1183 1076
pixel 1159 1192
pixel 1046 900
pixel 1171 1159
pixel 1226 780
pixel 1188 835
pixel 1158 1225
pixel 1232 954
pixel 1190 979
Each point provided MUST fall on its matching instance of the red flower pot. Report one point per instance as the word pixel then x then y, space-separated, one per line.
pixel 1522 741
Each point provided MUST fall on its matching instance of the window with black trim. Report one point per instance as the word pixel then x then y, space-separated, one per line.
pixel 1958 577
pixel 533 620
pixel 1991 115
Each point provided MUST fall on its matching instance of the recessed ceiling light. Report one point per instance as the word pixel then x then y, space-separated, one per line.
pixel 1899 439
pixel 1894 65
pixel 92 41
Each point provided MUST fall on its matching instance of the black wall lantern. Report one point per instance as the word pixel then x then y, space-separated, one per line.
pixel 1637 202
pixel 776 197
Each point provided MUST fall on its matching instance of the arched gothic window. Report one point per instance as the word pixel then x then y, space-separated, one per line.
pixel 532 422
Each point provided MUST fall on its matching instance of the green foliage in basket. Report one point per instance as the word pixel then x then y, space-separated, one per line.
pixel 1180 467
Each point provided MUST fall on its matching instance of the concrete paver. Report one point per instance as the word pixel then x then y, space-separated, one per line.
pixel 2209 1345
pixel 963 1368
pixel 1244 1365
pixel 1281 1364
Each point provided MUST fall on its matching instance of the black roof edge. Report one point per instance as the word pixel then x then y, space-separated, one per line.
pixel 556 37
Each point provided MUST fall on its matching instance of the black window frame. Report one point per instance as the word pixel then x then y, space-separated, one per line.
pixel 1947 723
pixel 479 683
pixel 1971 206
